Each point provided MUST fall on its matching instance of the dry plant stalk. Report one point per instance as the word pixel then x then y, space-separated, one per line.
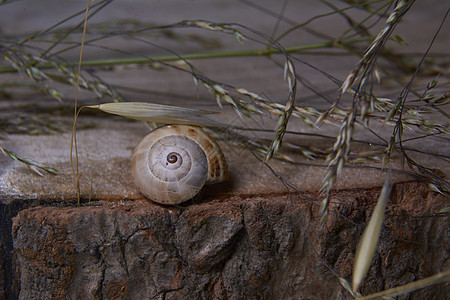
pixel 443 277
pixel 341 149
pixel 73 143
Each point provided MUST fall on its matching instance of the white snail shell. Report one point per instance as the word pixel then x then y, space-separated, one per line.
pixel 172 163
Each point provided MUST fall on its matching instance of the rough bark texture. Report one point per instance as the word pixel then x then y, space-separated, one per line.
pixel 234 248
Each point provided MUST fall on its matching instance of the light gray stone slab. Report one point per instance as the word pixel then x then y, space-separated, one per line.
pixel 105 149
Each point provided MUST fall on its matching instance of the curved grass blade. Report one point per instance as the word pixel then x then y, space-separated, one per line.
pixel 369 239
pixel 159 113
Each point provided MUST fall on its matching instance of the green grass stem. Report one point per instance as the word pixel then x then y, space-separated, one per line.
pixel 224 54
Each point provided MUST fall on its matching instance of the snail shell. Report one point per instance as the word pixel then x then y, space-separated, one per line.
pixel 172 163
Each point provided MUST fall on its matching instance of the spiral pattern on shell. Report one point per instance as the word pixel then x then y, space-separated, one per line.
pixel 172 163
